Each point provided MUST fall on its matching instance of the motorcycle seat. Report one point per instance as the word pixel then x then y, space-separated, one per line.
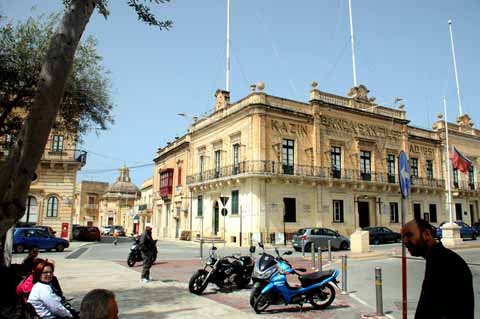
pixel 315 277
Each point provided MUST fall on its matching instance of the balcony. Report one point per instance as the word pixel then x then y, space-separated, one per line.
pixel 166 183
pixel 271 168
pixel 63 156
pixel 144 207
pixel 466 186
pixel 91 206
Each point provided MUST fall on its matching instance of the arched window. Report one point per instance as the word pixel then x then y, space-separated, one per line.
pixel 52 207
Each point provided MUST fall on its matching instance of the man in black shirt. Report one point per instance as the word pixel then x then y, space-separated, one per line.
pixel 447 290
pixel 148 247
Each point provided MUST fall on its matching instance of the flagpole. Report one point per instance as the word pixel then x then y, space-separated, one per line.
pixel 447 154
pixel 227 85
pixel 455 68
pixel 353 44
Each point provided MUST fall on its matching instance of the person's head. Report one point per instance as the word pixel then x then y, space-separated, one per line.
pixel 148 228
pixel 33 252
pixel 418 237
pixel 43 271
pixel 99 304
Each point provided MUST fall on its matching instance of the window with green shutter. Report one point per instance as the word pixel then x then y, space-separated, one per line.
pixel 234 202
pixel 200 206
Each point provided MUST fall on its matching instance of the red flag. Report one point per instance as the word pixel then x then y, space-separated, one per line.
pixel 460 162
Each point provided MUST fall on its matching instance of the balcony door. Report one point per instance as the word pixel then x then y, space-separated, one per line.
pixel 216 218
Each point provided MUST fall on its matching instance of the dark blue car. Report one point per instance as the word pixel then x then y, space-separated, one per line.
pixel 31 237
pixel 465 230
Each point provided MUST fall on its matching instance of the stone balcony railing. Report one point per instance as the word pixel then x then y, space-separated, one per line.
pixel 272 168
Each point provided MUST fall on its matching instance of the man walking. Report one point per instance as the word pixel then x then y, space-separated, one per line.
pixel 148 247
pixel 447 290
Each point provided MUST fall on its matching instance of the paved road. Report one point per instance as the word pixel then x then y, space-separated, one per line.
pixel 178 260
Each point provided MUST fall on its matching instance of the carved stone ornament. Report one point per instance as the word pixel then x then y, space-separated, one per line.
pixel 360 93
pixel 465 121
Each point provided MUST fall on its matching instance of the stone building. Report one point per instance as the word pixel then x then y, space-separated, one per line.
pixel 143 206
pixel 281 165
pixel 171 198
pixel 118 203
pixel 51 194
pixel 87 199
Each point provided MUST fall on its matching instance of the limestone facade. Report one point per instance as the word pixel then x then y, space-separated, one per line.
pixel 51 195
pixel 143 206
pixel 117 205
pixel 87 203
pixel 283 165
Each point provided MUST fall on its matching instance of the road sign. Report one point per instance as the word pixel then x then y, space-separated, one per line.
pixel 224 200
pixel 224 212
pixel 404 172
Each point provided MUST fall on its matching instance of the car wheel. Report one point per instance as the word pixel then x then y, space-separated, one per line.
pixel 376 241
pixel 296 248
pixel 60 248
pixel 398 240
pixel 474 237
pixel 344 245
pixel 19 249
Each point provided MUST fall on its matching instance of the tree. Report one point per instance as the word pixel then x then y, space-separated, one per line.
pixel 16 174
pixel 86 101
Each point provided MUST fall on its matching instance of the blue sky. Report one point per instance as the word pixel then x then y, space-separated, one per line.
pixel 403 50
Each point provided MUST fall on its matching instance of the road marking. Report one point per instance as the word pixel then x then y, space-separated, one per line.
pixel 367 305
pixel 77 253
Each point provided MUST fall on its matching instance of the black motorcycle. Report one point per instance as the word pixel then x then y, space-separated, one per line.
pixel 223 271
pixel 135 254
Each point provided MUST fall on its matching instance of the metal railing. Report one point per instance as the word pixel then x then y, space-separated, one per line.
pixel 466 186
pixel 272 168
pixel 64 155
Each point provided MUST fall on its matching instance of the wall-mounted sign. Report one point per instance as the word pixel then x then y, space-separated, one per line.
pixel 349 127
pixel 425 150
pixel 287 128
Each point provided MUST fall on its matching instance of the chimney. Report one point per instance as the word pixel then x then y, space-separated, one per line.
pixel 222 98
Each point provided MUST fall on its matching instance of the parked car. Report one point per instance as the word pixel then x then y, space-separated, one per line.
pixel 476 226
pixel 87 233
pixel 106 229
pixel 120 230
pixel 31 237
pixel 465 230
pixel 319 237
pixel 48 229
pixel 379 234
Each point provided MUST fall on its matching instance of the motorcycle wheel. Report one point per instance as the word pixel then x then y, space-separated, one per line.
pixel 254 295
pixel 131 261
pixel 196 284
pixel 261 303
pixel 242 282
pixel 323 297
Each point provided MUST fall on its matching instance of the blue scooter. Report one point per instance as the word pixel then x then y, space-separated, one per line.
pixel 271 286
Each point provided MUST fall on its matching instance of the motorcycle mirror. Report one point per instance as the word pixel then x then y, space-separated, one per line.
pixel 301 269
pixel 214 248
pixel 252 249
pixel 288 252
pixel 260 244
pixel 276 250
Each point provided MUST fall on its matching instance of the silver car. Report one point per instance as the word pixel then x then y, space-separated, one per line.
pixel 319 237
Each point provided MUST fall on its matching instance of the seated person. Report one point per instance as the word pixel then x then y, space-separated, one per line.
pixel 24 288
pixel 46 303
pixel 29 262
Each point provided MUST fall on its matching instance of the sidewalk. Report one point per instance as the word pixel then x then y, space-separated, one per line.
pixel 170 298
